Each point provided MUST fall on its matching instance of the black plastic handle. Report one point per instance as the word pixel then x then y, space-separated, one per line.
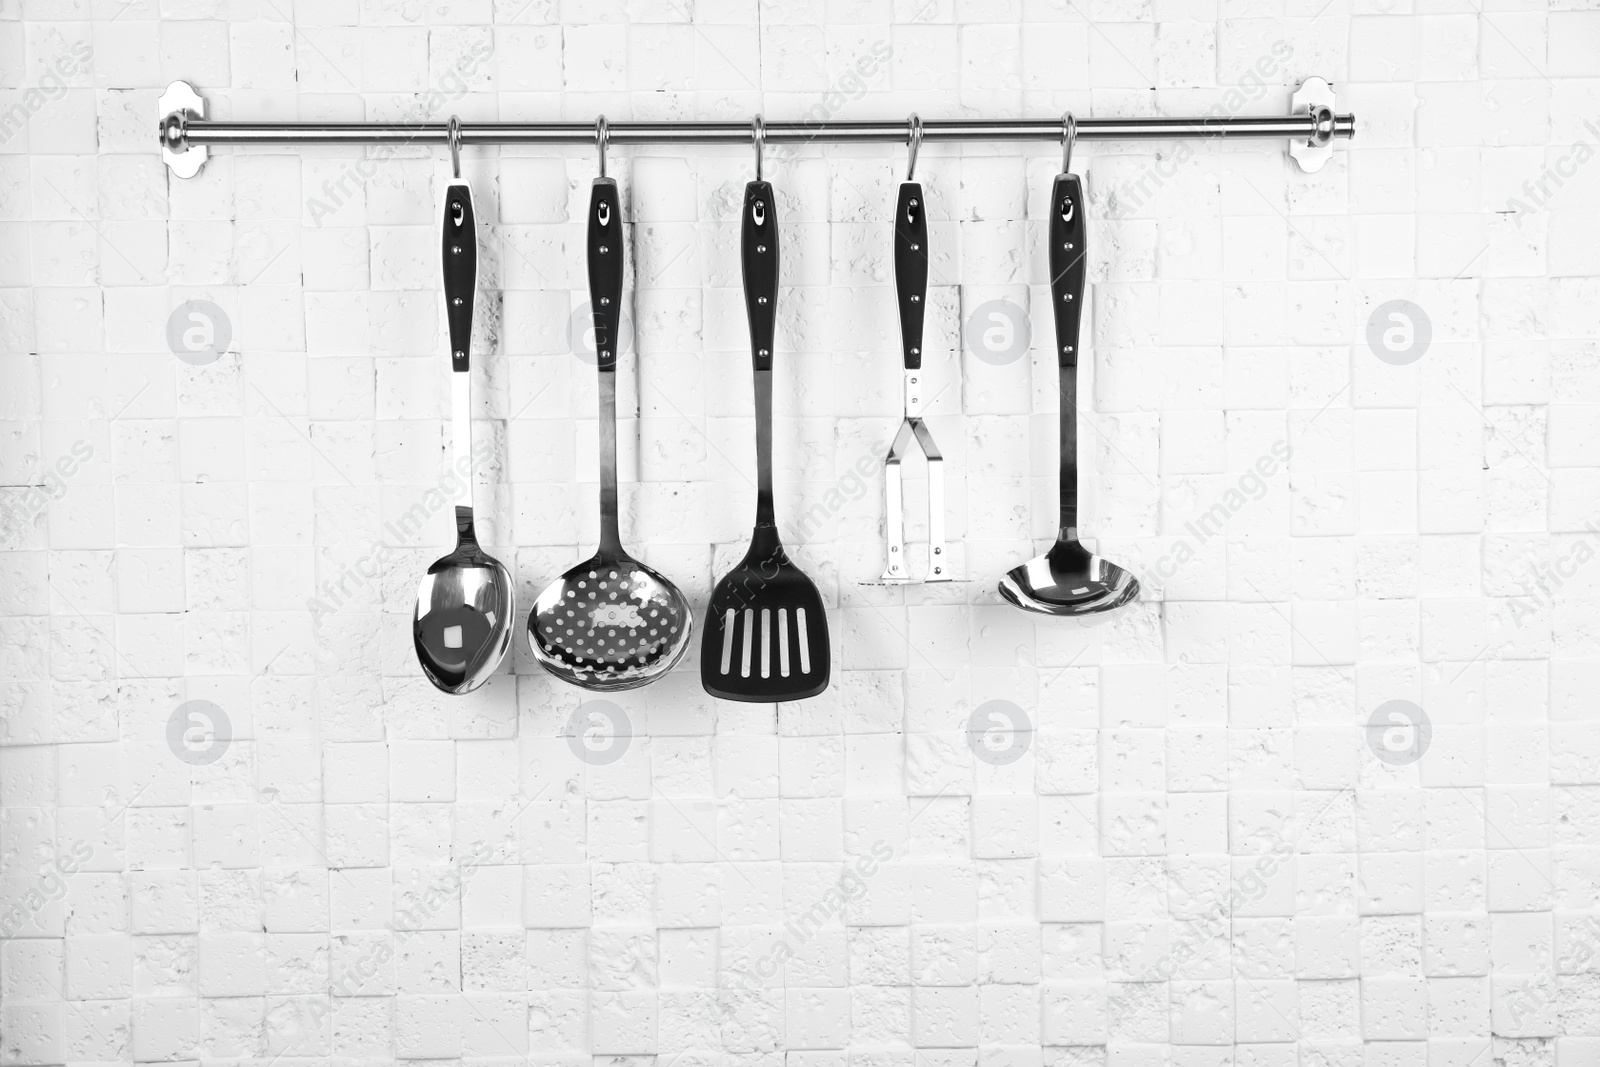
pixel 460 259
pixel 1069 269
pixel 1069 264
pixel 758 252
pixel 605 270
pixel 911 269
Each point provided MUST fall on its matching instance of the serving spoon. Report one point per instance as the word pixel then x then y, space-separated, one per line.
pixel 466 601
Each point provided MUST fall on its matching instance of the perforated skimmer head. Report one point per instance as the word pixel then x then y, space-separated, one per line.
pixel 610 625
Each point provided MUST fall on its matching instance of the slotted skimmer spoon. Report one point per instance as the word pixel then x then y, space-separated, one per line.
pixel 911 286
pixel 462 624
pixel 610 623
pixel 766 631
pixel 1068 579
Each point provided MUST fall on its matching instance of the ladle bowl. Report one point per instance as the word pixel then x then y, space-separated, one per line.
pixel 610 623
pixel 1068 580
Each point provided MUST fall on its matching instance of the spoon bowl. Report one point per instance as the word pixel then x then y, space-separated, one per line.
pixel 462 624
pixel 1068 580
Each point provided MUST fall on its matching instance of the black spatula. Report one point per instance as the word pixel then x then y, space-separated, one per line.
pixel 766 634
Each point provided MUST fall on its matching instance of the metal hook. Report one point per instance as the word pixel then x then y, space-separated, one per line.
pixel 758 136
pixel 914 138
pixel 602 135
pixel 453 137
pixel 1069 137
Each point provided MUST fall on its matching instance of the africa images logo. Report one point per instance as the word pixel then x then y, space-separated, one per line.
pixel 199 332
pixel 199 732
pixel 998 332
pixel 599 732
pixel 999 732
pixel 1399 332
pixel 1399 732
pixel 52 87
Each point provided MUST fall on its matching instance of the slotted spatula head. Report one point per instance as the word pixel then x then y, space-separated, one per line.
pixel 766 634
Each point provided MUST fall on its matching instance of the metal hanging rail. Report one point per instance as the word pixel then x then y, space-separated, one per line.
pixel 185 133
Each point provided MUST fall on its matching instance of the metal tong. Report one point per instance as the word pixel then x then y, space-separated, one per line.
pixel 911 285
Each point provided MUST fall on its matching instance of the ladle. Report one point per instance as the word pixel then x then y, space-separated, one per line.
pixel 1068 579
pixel 610 623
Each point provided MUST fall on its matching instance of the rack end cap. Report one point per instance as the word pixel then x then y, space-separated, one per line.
pixel 178 105
pixel 1314 98
pixel 172 132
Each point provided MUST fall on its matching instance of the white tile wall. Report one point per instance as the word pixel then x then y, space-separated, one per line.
pixel 1198 861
